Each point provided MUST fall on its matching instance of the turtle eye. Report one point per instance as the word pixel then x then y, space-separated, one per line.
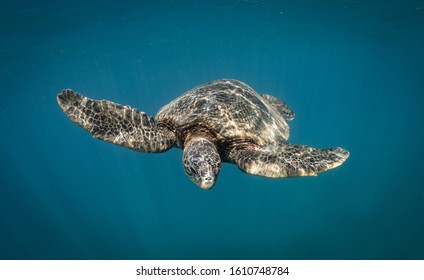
pixel 196 160
pixel 192 170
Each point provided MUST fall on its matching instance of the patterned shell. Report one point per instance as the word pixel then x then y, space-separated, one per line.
pixel 233 109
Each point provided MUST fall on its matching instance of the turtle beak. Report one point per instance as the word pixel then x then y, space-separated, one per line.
pixel 207 182
pixel 207 176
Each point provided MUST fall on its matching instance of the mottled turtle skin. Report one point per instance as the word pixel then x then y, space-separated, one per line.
pixel 223 120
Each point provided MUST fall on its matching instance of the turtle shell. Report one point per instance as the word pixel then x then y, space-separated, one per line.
pixel 232 109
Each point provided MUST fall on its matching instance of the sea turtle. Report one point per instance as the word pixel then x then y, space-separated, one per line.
pixel 220 121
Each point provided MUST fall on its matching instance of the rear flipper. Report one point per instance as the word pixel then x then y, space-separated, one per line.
pixel 121 125
pixel 287 160
pixel 280 106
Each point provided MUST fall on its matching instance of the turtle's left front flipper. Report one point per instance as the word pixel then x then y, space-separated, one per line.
pixel 121 125
pixel 287 160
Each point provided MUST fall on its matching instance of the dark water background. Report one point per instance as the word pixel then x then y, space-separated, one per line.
pixel 351 70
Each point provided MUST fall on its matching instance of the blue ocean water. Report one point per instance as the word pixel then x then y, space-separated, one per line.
pixel 351 70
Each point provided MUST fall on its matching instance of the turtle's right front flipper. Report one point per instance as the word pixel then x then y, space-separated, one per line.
pixel 118 124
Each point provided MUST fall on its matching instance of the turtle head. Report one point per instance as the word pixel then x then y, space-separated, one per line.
pixel 201 162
